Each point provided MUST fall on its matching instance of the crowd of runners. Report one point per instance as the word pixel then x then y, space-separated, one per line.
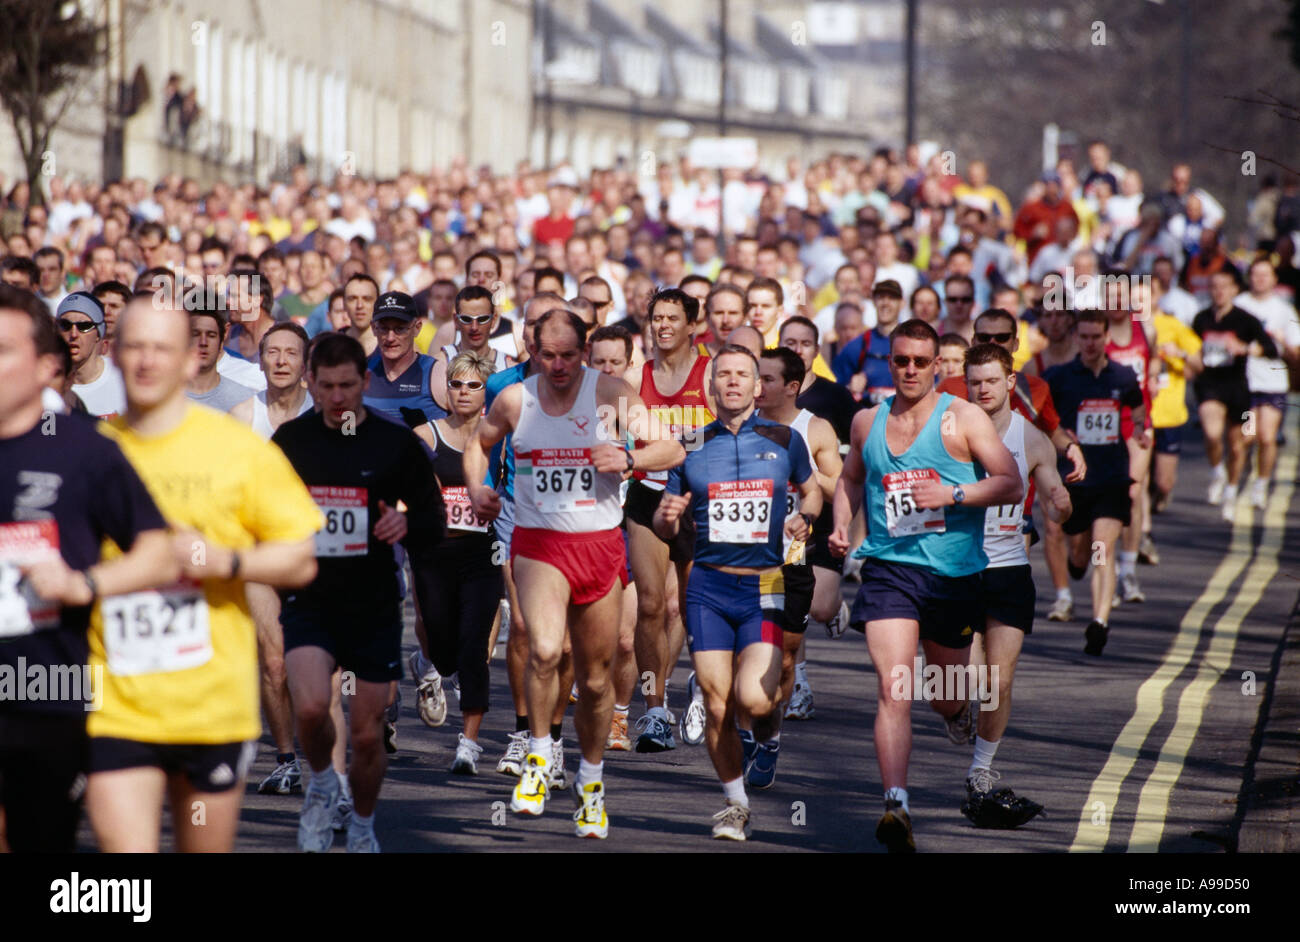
pixel 244 431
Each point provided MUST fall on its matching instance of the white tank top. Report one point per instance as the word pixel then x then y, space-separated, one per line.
pixel 1004 544
pixel 262 419
pixel 556 487
pixel 800 425
pixel 499 361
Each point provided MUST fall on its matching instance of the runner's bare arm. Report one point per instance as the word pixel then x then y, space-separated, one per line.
pixel 1041 457
pixel 492 428
pixel 810 503
pixel 668 515
pixel 848 490
pixel 147 565
pixel 1061 442
pixel 277 564
pixel 826 455
pixel 438 382
pixel 661 451
pixel 975 429
pixel 243 412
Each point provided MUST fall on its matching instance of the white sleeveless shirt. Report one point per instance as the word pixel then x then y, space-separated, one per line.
pixel 800 425
pixel 262 419
pixel 1004 543
pixel 556 487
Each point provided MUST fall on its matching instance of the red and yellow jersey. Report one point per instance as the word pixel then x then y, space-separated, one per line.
pixel 682 412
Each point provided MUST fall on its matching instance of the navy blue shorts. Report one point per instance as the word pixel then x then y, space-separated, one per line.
pixel 948 609
pixel 727 612
pixel 1009 597
pixel 369 645
pixel 1276 400
pixel 1091 504
pixel 1169 441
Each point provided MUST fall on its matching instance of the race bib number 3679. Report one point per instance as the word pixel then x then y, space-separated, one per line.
pixel 902 516
pixel 22 611
pixel 740 511
pixel 564 480
pixel 347 521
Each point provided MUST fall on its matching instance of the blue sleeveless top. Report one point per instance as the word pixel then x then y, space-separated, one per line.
pixel 948 540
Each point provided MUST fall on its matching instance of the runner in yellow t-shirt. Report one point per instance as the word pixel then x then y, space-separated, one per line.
pixel 180 705
pixel 1179 350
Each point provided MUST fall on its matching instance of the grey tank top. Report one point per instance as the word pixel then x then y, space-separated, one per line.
pixel 225 396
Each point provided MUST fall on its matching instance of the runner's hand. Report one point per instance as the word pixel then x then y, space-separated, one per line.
pixel 1143 438
pixel 858 385
pixel 609 458
pixel 838 542
pixel 486 502
pixel 672 506
pixel 391 526
pixel 796 527
pixel 1060 499
pixel 929 493
pixel 51 579
pixel 200 558
pixel 1080 467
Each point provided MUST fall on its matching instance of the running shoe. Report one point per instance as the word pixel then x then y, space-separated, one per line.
pixel 961 725
pixel 1062 610
pixel 836 626
pixel 1218 483
pixel 1148 555
pixel 894 829
pixel 1076 572
pixel 1229 510
pixel 455 686
pixel 762 769
pixel 997 810
pixel 556 777
pixel 467 754
pixel 430 699
pixel 285 780
pixel 529 796
pixel 656 734
pixel 672 717
pixel 362 841
pixel 573 693
pixel 801 703
pixel 693 719
pixel 1259 494
pixel 618 740
pixel 729 823
pixel 512 763
pixel 590 819
pixel 1130 591
pixel 343 810
pixel 1095 637
pixel 390 738
pixel 315 835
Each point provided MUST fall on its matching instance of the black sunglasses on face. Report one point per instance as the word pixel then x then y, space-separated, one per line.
pixel 920 363
pixel 995 338
pixel 960 298
pixel 81 327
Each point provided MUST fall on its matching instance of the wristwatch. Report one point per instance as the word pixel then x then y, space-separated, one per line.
pixel 958 495
pixel 808 519
pixel 631 462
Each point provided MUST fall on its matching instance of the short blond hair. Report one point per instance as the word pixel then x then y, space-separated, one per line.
pixel 470 362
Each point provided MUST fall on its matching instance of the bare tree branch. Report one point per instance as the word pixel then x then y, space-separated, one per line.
pixel 1238 152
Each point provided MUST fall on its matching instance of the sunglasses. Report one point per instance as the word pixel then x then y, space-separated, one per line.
pixel 473 319
pixel 961 298
pixel 81 327
pixel 473 385
pixel 920 363
pixel 995 338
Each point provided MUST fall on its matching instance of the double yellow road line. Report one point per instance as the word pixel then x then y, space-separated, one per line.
pixel 1100 807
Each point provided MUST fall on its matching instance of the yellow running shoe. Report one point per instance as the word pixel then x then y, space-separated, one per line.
pixel 590 820
pixel 529 796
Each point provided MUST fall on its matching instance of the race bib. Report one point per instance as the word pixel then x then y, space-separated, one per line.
pixel 740 511
pixel 460 511
pixel 878 394
pixel 347 521
pixel 563 480
pixel 1004 519
pixel 157 631
pixel 22 611
pixel 902 516
pixel 1098 422
pixel 1215 350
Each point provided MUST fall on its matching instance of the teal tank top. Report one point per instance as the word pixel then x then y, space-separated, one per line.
pixel 947 540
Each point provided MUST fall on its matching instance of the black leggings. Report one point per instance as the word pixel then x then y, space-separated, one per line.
pixel 459 590
pixel 42 758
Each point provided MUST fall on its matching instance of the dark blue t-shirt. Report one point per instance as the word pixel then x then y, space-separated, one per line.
pixel 874 364
pixel 410 392
pixel 1090 406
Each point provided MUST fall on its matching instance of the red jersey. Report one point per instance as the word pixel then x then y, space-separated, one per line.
pixel 547 230
pixel 1136 355
pixel 683 412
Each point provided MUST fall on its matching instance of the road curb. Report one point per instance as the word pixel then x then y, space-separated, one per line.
pixel 1269 804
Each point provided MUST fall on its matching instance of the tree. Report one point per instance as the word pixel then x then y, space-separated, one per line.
pixel 45 46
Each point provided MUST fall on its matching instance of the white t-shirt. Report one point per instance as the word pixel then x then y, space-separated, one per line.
pixel 1180 304
pixel 1269 374
pixel 105 396
pixel 242 372
pixel 825 319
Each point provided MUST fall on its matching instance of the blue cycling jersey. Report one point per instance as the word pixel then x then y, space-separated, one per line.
pixel 409 391
pixel 737 486
pixel 872 362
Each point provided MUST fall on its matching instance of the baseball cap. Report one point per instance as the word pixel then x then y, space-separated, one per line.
pixel 397 305
pixel 1051 176
pixel 564 177
pixel 888 287
pixel 81 302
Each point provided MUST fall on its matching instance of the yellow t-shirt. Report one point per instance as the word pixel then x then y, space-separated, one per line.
pixel 166 679
pixel 1022 354
pixel 1169 407
pixel 425 337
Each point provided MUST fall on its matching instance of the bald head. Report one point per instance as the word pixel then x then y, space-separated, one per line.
pixel 747 337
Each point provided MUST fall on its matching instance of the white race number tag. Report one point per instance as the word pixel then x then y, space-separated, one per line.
pixel 564 480
pixel 1214 352
pixel 1098 422
pixel 740 511
pixel 460 511
pixel 1004 519
pixel 22 611
pixel 347 521
pixel 157 631
pixel 902 516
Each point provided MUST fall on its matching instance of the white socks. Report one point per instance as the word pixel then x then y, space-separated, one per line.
pixel 801 673
pixel 899 795
pixel 735 792
pixel 541 747
pixel 1065 594
pixel 984 752
pixel 1127 563
pixel 589 772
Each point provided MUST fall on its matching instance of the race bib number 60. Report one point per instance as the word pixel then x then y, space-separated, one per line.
pixel 347 521
pixel 902 516
pixel 740 511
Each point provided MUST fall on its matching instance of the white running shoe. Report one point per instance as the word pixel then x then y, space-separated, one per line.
pixel 343 810
pixel 362 840
pixel 853 569
pixel 1218 482
pixel 467 755
pixel 431 702
pixel 1062 610
pixel 1259 494
pixel 1129 588
pixel 315 835
pixel 836 626
pixel 729 823
pixel 801 703
pixel 512 763
pixel 556 778
pixel 693 719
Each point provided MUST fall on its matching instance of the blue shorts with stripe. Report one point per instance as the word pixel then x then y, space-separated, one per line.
pixel 728 612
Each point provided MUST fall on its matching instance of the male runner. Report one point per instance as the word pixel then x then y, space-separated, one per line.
pixel 98 382
pixel 399 384
pixel 1008 582
pixel 566 551
pixel 180 710
pixel 1089 394
pixel 208 387
pixel 64 488
pixel 476 319
pixel 724 311
pixel 780 374
pixel 822 397
pixel 733 487
pixel 1179 350
pixel 673 387
pixel 358 467
pixel 912 464
pixel 863 364
pixel 360 295
pixel 483 270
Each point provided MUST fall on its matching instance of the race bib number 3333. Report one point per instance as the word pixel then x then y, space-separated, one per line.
pixel 347 521
pixel 740 511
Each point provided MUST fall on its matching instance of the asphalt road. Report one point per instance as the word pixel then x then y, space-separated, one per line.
pixel 1142 749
